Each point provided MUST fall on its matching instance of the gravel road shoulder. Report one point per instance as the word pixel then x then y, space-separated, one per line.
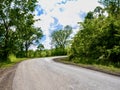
pixel 6 77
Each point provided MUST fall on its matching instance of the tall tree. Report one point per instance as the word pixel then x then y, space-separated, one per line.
pixel 31 36
pixel 13 15
pixel 40 47
pixel 99 37
pixel 59 37
pixel 111 6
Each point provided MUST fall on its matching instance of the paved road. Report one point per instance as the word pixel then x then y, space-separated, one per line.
pixel 45 74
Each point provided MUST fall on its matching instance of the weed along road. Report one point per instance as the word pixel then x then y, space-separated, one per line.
pixel 45 74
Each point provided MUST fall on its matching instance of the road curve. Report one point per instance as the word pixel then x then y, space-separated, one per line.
pixel 45 74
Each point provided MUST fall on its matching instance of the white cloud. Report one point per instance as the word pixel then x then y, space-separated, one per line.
pixel 67 13
pixel 33 47
pixel 47 42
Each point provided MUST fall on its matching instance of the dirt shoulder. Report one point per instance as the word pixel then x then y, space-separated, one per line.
pixel 62 60
pixel 6 77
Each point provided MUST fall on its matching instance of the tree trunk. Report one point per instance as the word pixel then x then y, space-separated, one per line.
pixel 6 46
pixel 26 49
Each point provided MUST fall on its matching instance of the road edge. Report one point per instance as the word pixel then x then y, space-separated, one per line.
pixel 59 60
pixel 7 76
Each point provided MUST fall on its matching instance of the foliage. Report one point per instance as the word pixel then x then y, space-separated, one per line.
pixel 98 40
pixel 16 27
pixel 7 64
pixel 107 69
pixel 60 40
pixel 12 57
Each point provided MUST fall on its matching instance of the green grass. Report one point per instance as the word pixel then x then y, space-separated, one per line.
pixel 110 68
pixel 107 69
pixel 9 64
pixel 12 61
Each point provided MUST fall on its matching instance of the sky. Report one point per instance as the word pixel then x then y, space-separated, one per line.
pixel 55 14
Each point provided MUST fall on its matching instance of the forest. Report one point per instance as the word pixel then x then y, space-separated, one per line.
pixel 97 41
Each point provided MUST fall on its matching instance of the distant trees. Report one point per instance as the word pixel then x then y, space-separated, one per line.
pixel 40 47
pixel 60 39
pixel 31 36
pixel 99 37
pixel 16 27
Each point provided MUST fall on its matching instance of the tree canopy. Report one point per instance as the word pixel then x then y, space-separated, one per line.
pixel 99 37
pixel 16 26
pixel 60 37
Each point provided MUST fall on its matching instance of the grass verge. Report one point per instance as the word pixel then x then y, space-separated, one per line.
pixel 8 64
pixel 106 69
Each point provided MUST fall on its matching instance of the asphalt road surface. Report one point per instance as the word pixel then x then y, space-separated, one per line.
pixel 45 74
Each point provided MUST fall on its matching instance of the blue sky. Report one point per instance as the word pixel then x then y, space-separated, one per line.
pixel 55 14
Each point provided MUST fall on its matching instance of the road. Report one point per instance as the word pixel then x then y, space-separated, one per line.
pixel 45 74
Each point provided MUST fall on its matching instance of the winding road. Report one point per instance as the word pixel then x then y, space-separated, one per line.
pixel 45 74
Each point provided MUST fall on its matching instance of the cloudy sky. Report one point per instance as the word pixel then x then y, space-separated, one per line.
pixel 55 14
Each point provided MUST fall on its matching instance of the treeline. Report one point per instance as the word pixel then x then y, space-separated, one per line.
pixel 17 32
pixel 59 44
pixel 46 53
pixel 61 40
pixel 98 40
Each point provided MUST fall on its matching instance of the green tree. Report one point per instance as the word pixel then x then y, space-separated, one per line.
pixel 60 38
pixel 99 35
pixel 40 48
pixel 31 36
pixel 111 6
pixel 13 15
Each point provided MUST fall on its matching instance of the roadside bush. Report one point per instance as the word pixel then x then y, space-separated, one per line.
pixel 12 58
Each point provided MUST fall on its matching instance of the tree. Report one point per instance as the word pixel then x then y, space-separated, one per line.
pixel 111 6
pixel 40 47
pixel 99 37
pixel 31 36
pixel 99 11
pixel 13 15
pixel 60 37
